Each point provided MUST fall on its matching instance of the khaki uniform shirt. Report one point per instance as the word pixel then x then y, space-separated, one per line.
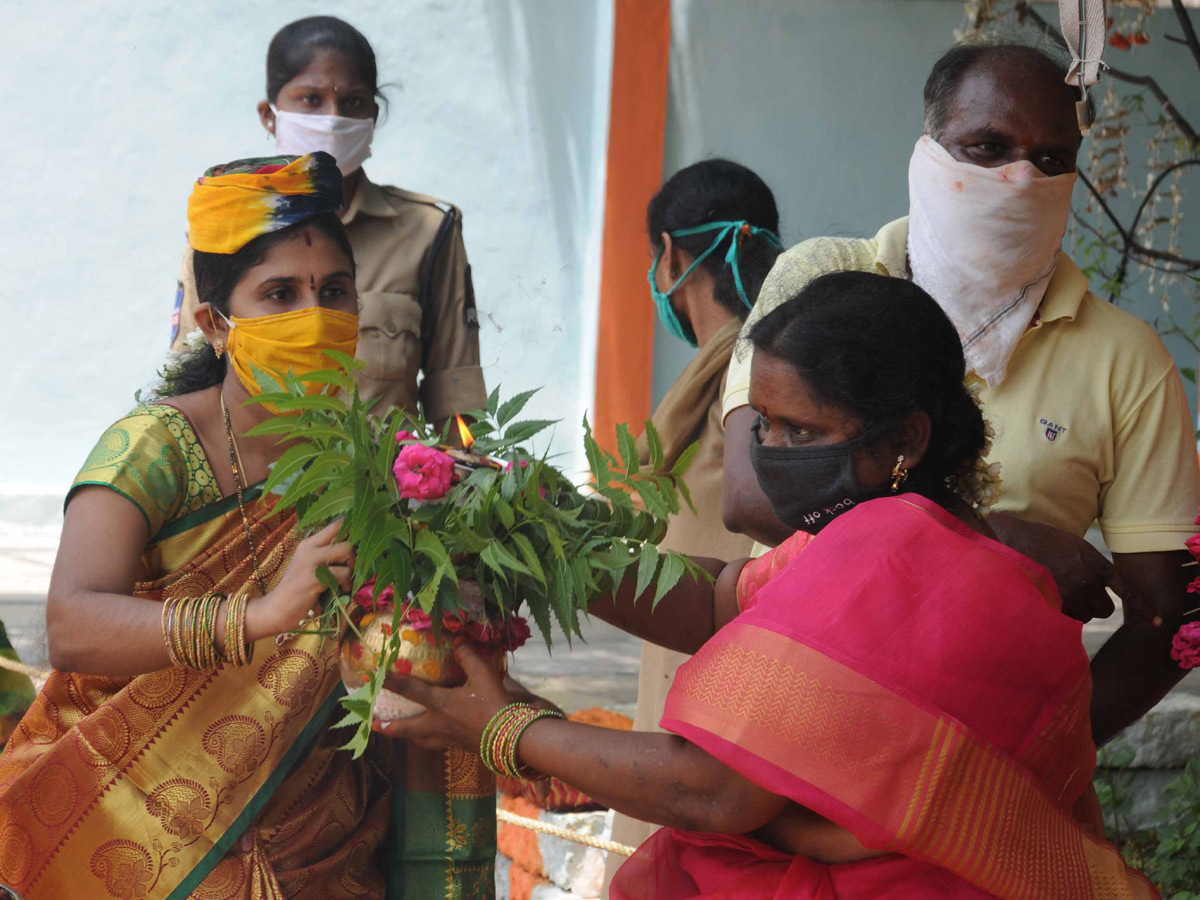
pixel 1092 422
pixel 393 233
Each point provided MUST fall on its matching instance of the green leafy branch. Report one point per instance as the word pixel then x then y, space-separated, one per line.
pixel 532 540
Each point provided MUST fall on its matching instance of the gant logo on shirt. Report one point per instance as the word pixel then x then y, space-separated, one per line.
pixel 1053 429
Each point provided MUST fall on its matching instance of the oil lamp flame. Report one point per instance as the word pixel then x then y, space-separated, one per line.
pixel 464 433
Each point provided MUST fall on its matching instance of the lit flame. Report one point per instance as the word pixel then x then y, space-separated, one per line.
pixel 464 433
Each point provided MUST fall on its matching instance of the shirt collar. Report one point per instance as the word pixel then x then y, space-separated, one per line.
pixel 369 200
pixel 1063 295
pixel 891 249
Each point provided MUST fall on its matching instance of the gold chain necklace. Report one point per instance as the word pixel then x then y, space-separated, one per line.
pixel 235 456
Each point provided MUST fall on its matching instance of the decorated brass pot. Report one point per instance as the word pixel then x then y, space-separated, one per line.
pixel 421 655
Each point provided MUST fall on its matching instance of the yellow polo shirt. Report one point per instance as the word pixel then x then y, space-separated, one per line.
pixel 1092 422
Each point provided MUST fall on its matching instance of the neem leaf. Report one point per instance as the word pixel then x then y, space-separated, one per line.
pixel 524 430
pixel 529 555
pixel 329 376
pixel 684 462
pixel 654 442
pixel 511 408
pixel 502 561
pixel 672 570
pixel 648 560
pixel 345 361
pixel 332 503
pixel 627 444
pixel 293 460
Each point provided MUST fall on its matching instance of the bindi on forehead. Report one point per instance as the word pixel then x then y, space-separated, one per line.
pixel 307 237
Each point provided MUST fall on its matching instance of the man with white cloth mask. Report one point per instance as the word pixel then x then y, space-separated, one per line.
pixel 1091 419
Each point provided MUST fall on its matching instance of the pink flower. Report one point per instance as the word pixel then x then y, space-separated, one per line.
pixel 1194 586
pixel 423 473
pixel 1185 646
pixel 366 599
pixel 1193 545
pixel 402 436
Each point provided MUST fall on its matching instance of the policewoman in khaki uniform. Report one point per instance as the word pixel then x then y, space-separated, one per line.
pixel 418 327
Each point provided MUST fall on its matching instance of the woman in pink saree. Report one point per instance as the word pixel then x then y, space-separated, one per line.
pixel 889 705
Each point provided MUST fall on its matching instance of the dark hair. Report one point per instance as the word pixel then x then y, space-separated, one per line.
pixel 880 348
pixel 947 74
pixel 217 274
pixel 718 190
pixel 294 46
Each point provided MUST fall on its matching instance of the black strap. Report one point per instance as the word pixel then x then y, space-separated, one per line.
pixel 425 300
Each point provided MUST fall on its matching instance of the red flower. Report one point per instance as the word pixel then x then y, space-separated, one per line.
pixel 1140 38
pixel 423 473
pixel 1185 646
pixel 1194 586
pixel 366 597
pixel 1120 41
pixel 1193 545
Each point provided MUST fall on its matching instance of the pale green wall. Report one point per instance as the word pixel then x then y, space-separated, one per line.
pixel 823 99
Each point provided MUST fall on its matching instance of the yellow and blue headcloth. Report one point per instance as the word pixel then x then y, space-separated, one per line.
pixel 233 204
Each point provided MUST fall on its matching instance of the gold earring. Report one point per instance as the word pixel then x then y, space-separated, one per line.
pixel 899 475
pixel 219 348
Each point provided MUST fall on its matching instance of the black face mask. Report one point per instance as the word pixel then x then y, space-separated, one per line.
pixel 811 486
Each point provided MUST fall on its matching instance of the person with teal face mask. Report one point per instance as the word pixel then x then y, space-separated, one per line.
pixel 714 236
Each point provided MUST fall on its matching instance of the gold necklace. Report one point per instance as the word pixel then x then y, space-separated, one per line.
pixel 235 456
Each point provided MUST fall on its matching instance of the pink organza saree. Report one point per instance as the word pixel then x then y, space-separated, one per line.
pixel 914 682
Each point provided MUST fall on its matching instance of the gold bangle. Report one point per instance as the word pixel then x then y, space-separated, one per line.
pixel 244 645
pixel 168 628
pixel 187 621
pixel 235 631
pixel 212 656
pixel 231 654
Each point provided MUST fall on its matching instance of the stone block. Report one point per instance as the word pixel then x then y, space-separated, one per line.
pixel 575 867
pixel 551 892
pixel 1167 736
pixel 1147 789
pixel 503 865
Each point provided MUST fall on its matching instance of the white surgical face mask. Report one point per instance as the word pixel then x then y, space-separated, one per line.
pixel 984 242
pixel 347 140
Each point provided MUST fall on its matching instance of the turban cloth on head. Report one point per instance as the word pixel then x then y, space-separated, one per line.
pixel 233 204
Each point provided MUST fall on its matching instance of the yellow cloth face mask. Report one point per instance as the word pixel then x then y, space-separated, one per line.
pixel 293 340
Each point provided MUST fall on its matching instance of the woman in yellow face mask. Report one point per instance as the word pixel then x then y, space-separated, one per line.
pixel 183 745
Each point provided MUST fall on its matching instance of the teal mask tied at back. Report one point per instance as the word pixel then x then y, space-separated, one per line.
pixel 735 231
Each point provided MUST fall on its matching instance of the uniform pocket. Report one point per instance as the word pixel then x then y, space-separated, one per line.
pixel 389 335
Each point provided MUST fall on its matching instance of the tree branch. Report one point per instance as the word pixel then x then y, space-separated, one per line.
pixel 1025 10
pixel 1130 246
pixel 1137 217
pixel 1189 31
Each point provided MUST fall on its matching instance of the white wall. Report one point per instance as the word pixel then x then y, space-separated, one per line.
pixel 111 109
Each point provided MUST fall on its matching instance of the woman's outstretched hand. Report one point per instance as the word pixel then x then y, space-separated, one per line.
pixel 454 717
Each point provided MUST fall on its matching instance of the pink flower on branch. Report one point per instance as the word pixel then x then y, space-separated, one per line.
pixel 1185 646
pixel 423 473
pixel 367 600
